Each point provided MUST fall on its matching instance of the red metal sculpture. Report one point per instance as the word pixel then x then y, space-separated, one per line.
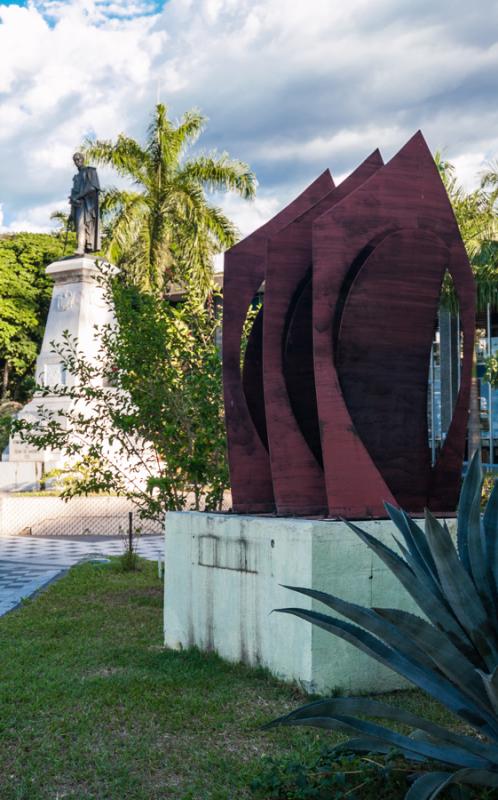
pixel 298 480
pixel 244 274
pixel 330 416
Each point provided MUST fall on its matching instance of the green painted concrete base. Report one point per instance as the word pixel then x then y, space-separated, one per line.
pixel 223 578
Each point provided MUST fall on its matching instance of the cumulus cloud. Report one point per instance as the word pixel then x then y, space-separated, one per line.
pixel 298 87
pixel 63 76
pixel 35 219
pixel 289 88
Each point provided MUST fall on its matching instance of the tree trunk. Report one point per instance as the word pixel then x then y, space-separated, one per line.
pixel 5 379
pixel 474 437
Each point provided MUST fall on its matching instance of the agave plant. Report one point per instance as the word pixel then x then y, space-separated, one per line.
pixel 451 652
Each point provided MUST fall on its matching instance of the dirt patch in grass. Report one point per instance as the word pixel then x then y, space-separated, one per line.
pixel 105 672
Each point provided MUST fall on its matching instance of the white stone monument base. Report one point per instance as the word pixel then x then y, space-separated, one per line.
pixel 223 576
pixel 20 476
pixel 78 307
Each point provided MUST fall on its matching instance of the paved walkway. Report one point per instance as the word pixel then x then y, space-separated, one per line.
pixel 27 563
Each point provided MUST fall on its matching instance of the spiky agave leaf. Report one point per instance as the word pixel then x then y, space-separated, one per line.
pixel 452 654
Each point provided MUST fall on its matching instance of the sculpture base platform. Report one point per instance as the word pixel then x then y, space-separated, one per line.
pixel 223 578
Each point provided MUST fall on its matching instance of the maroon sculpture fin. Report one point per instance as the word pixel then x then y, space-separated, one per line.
pixel 359 268
pixel 383 353
pixel 297 474
pixel 245 268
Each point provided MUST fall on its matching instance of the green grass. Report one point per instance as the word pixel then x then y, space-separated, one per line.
pixel 93 707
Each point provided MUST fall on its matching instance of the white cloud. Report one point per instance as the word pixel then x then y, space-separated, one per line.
pixel 251 215
pixel 34 220
pixel 59 82
pixel 327 148
pixel 290 88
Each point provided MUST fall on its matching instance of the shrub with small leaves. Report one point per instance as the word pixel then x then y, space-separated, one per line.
pixel 146 416
pixel 334 774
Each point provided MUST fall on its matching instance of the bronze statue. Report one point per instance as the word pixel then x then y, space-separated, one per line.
pixel 84 201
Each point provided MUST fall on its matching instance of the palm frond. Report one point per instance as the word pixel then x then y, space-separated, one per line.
pixel 161 147
pixel 126 216
pixel 218 227
pixel 220 173
pixel 113 199
pixel 477 219
pixel 188 131
pixel 125 156
pixel 489 178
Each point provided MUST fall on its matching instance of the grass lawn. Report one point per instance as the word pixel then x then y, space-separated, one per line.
pixel 92 706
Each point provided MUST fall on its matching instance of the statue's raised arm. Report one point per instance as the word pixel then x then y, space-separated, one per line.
pixel 84 201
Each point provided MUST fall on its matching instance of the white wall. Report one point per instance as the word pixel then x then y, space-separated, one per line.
pixel 224 576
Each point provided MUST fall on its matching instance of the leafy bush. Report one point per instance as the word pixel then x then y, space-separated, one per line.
pixel 337 774
pixel 487 487
pixel 452 654
pixel 129 561
pixel 333 775
pixel 146 421
pixel 7 411
pixel 25 291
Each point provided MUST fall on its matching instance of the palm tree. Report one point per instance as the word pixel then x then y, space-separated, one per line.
pixel 163 229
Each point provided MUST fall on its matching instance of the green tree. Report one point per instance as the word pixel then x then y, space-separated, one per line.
pixel 25 292
pixel 163 229
pixel 146 420
pixel 476 215
pixel 477 218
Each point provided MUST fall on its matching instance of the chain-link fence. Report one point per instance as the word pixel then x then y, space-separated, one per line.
pixel 29 514
pixel 35 514
pixel 93 525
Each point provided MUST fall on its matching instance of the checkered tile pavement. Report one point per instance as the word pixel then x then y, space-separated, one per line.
pixel 27 564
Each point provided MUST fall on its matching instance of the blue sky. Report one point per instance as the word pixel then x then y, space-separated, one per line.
pixel 150 7
pixel 289 88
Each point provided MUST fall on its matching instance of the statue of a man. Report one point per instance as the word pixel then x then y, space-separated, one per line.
pixel 84 202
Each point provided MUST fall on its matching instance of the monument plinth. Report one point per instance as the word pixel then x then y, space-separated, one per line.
pixel 227 572
pixel 78 304
pixel 77 307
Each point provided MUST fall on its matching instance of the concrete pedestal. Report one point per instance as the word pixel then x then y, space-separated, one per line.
pixel 77 306
pixel 224 576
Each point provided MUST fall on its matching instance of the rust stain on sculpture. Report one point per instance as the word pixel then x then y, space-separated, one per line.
pixel 331 414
